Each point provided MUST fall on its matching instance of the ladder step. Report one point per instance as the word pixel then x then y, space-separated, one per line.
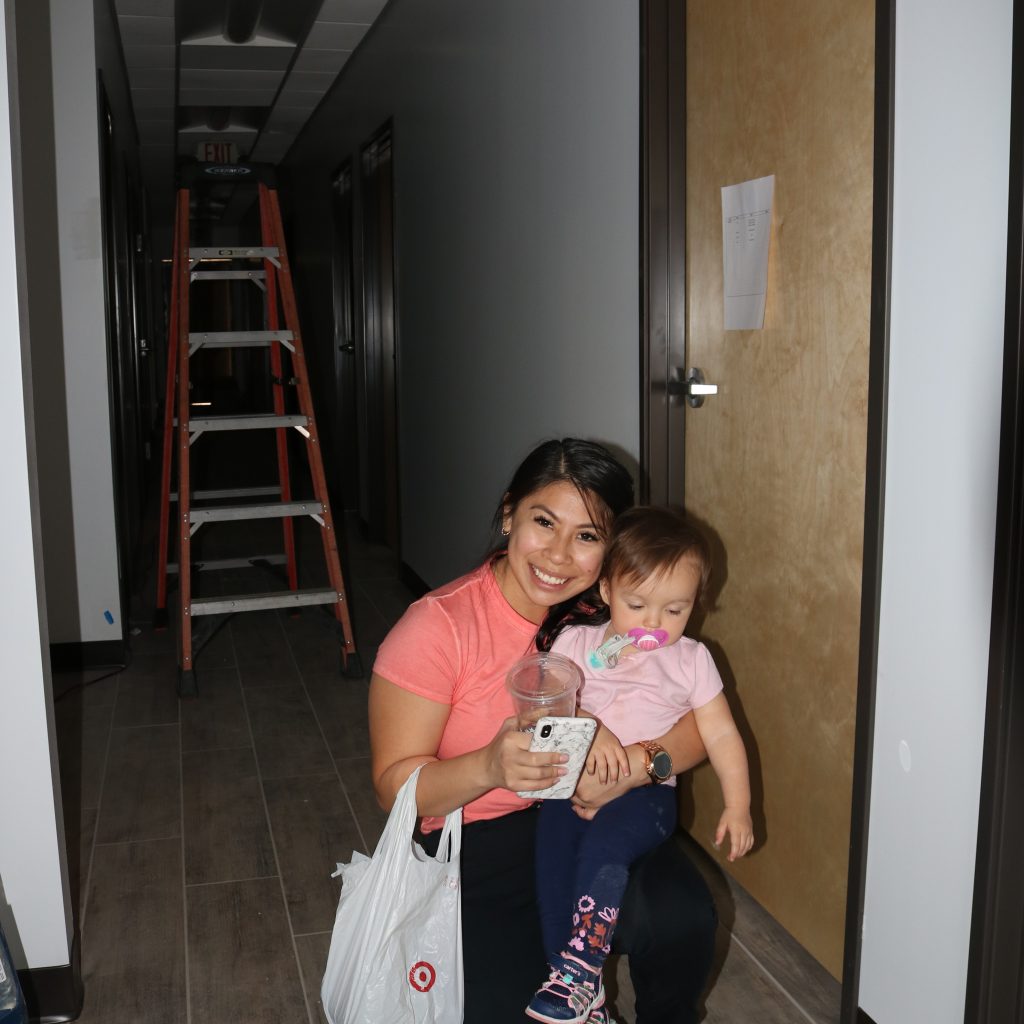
pixel 258 602
pixel 257 421
pixel 234 252
pixel 231 492
pixel 209 564
pixel 279 510
pixel 228 275
pixel 236 339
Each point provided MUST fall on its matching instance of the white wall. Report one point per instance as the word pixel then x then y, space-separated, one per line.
pixel 952 95
pixel 90 553
pixel 34 908
pixel 516 153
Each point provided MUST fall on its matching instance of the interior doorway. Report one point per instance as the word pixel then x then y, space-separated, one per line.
pixel 124 372
pixel 378 372
pixel 344 482
pixel 775 463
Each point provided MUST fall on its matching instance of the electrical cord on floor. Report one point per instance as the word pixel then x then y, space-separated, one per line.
pixel 86 683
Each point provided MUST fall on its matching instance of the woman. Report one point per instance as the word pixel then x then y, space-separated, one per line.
pixel 437 695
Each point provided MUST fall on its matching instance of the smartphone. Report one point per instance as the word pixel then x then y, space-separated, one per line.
pixel 571 736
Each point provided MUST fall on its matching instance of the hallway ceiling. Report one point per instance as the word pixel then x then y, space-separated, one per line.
pixel 244 72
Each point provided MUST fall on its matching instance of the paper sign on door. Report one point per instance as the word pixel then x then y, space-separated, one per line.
pixel 746 231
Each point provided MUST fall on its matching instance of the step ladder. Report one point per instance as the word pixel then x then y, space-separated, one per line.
pixel 267 266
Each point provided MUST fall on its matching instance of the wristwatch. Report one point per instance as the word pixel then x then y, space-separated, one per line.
pixel 657 761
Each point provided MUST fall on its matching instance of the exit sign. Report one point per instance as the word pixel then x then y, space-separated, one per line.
pixel 217 152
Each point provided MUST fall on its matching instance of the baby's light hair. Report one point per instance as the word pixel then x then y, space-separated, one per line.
pixel 650 540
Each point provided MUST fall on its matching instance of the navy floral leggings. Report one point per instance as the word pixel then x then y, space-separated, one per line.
pixel 583 867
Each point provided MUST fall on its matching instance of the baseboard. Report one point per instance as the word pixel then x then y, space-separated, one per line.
pixel 93 654
pixel 54 994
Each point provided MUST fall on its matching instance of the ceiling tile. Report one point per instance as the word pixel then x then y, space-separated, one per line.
pixel 152 99
pixel 353 11
pixel 146 31
pixel 288 119
pixel 153 78
pixel 226 97
pixel 149 57
pixel 156 153
pixel 299 106
pixel 157 140
pixel 146 8
pixel 237 58
pixel 326 35
pixel 321 60
pixel 308 81
pixel 258 81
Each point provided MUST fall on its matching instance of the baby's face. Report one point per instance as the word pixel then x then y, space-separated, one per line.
pixel 661 602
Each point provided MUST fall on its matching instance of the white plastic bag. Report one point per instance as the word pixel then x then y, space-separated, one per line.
pixel 396 950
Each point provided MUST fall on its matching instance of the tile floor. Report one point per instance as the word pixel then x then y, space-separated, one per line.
pixel 202 833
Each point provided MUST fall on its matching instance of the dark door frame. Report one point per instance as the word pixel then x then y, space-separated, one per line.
pixel 345 475
pixel 874 502
pixel 379 465
pixel 662 247
pixel 995 977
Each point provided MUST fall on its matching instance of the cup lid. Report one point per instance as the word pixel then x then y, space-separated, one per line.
pixel 543 675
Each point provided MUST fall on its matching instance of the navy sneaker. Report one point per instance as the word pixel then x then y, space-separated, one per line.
pixel 567 999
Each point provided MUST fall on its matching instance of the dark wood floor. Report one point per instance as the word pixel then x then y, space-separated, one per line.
pixel 202 834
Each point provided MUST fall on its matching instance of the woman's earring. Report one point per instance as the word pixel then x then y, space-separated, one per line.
pixel 504 531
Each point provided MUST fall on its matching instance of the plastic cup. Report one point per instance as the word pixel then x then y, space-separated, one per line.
pixel 543 684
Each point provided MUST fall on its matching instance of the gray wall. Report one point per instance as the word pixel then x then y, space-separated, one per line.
pixel 949 266
pixel 516 134
pixel 89 555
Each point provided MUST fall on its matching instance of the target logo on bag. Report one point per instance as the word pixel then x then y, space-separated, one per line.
pixel 422 976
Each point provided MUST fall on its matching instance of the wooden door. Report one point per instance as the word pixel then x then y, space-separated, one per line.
pixel 775 462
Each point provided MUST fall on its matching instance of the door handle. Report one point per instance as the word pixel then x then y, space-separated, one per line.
pixel 348 346
pixel 692 387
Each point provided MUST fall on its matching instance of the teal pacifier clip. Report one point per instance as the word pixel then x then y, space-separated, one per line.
pixel 607 655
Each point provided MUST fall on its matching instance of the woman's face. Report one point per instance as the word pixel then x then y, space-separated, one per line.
pixel 554 550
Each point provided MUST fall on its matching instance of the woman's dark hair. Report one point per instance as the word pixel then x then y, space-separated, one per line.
pixel 604 485
pixel 652 540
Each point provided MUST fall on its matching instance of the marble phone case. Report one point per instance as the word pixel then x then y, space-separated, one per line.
pixel 571 736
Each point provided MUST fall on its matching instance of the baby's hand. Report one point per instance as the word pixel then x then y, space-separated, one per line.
pixel 607 758
pixel 741 832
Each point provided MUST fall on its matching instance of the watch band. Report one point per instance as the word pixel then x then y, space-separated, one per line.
pixel 651 751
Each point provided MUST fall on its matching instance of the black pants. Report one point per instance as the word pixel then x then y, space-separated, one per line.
pixel 667 926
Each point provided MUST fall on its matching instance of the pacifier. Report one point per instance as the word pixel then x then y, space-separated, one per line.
pixel 647 639
pixel 607 655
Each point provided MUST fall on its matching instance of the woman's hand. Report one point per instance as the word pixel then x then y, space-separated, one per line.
pixel 405 732
pixel 607 758
pixel 512 765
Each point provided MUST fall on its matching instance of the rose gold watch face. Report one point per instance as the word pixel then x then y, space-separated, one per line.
pixel 661 765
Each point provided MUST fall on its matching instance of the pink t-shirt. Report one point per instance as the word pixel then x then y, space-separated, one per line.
pixel 454 646
pixel 646 693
